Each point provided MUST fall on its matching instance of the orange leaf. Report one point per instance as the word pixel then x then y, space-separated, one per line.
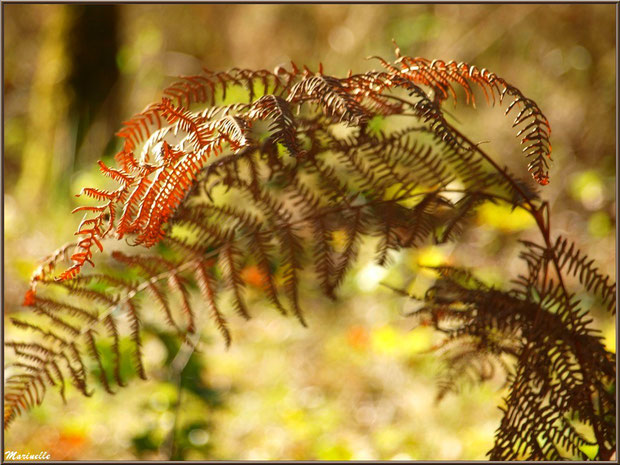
pixel 29 298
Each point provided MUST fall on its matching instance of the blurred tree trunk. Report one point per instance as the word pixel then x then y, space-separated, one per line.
pixel 45 149
pixel 93 38
pixel 75 72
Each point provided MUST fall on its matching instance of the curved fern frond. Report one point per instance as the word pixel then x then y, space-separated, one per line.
pixel 563 372
pixel 208 193
pixel 534 128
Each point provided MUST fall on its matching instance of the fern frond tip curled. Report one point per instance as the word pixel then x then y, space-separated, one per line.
pixel 288 182
pixel 152 188
pixel 441 76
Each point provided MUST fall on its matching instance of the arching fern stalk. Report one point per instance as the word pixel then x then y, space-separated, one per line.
pixel 268 182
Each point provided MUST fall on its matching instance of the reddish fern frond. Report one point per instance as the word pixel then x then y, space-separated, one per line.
pixel 203 180
pixel 121 176
pixel 203 88
pixel 45 269
pixel 191 89
pixel 187 122
pixel 534 126
pixel 159 202
pixel 132 203
pixel 138 129
pixel 126 160
pixel 198 89
pixel 84 252
pixel 150 194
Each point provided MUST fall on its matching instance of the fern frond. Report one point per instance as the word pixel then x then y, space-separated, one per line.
pixel 235 282
pixel 323 255
pixel 534 126
pixel 206 196
pixel 331 95
pixel 259 242
pixel 283 128
pixel 94 353
pixel 134 322
pixel 206 282
pixel 112 329
pixel 575 263
pixel 357 226
pixel 556 377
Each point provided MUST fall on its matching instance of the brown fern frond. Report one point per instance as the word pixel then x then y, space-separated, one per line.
pixel 575 263
pixel 208 193
pixel 78 375
pixel 539 336
pixel 331 95
pixel 463 210
pixel 534 128
pixel 230 265
pixel 178 284
pixel 259 242
pixel 95 354
pixel 206 282
pixel 356 227
pixel 571 261
pixel 283 128
pixel 111 326
pixel 45 333
pixel 73 310
pixel 292 251
pixel 59 322
pixel 134 321
pixel 323 255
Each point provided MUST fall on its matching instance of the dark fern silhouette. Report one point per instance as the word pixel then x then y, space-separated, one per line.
pixel 205 187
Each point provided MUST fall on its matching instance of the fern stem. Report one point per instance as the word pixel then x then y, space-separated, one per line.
pixel 542 218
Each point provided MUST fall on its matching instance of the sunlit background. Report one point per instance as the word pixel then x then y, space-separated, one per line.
pixel 359 383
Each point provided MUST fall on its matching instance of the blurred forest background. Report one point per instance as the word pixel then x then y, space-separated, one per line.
pixel 359 383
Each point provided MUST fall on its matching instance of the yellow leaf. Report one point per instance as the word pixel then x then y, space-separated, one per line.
pixel 504 218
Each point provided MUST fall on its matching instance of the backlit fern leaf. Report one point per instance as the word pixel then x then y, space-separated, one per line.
pixel 575 263
pixel 562 370
pixel 206 193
